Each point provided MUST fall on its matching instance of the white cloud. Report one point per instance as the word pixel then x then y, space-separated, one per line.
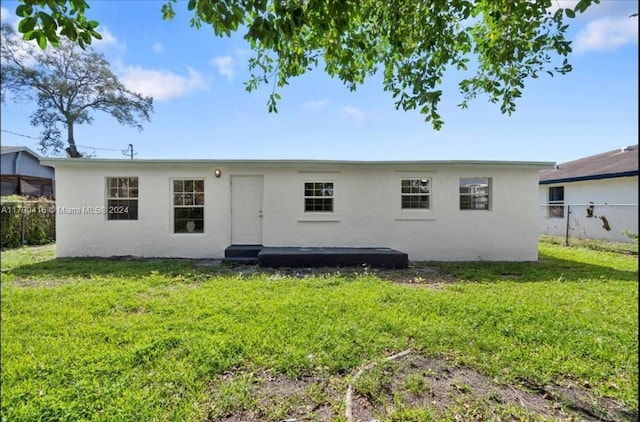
pixel 562 4
pixel 607 34
pixel 157 48
pixel 24 52
pixel 7 16
pixel 108 41
pixel 224 64
pixel 353 114
pixel 107 37
pixel 316 105
pixel 162 85
pixel 4 14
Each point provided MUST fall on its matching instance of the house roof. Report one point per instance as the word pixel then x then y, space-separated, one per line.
pixel 621 162
pixel 12 149
pixel 324 164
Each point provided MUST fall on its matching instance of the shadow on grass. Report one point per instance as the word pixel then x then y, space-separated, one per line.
pixel 548 268
pixel 118 267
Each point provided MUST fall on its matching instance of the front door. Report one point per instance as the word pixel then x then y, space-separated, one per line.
pixel 246 210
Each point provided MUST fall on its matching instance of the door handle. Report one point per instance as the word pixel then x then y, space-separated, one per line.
pixel 260 213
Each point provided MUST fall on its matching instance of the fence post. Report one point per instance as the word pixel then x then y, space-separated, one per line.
pixel 566 235
pixel 23 240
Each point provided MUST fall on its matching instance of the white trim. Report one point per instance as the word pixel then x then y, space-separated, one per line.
pixel 321 165
pixel 172 228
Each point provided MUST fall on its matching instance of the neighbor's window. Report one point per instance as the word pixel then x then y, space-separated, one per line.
pixel 416 193
pixel 122 198
pixel 188 206
pixel 556 202
pixel 475 193
pixel 318 197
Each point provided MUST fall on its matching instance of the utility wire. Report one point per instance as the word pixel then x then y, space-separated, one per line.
pixel 81 146
pixel 19 134
pixel 103 149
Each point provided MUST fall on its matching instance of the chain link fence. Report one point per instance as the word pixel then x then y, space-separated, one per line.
pixel 27 222
pixel 610 222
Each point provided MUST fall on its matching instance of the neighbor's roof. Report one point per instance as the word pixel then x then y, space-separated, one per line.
pixel 621 162
pixel 12 149
pixel 323 164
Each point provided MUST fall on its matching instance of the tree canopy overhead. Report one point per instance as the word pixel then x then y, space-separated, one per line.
pixel 68 84
pixel 498 45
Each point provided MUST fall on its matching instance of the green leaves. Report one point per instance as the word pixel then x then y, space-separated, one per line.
pixel 167 10
pixel 412 42
pixel 272 103
pixel 24 10
pixel 45 20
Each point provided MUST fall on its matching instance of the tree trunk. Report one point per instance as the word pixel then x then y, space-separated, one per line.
pixel 71 150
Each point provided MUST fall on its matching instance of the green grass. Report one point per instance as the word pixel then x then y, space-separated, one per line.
pixel 630 248
pixel 99 339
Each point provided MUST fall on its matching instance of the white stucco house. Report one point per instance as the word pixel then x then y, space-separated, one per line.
pixel 431 210
pixel 592 197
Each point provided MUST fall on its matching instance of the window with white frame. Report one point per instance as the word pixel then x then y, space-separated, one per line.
pixel 122 198
pixel 475 193
pixel 188 205
pixel 318 197
pixel 556 202
pixel 415 194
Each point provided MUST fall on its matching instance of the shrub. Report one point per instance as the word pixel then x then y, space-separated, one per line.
pixel 27 221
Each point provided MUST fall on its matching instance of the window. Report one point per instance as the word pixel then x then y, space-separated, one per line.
pixel 475 193
pixel 188 206
pixel 416 193
pixel 122 198
pixel 556 202
pixel 318 197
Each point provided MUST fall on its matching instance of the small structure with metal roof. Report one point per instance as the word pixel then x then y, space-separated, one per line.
pixel 22 173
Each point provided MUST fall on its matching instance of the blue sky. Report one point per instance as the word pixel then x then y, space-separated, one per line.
pixel 202 109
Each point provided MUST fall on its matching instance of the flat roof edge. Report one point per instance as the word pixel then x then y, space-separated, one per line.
pixel 291 162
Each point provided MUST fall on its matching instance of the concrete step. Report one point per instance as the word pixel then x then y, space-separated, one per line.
pixel 241 260
pixel 242 251
pixel 381 257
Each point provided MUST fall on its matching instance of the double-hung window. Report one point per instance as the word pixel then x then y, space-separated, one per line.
pixel 122 198
pixel 556 202
pixel 318 197
pixel 188 205
pixel 475 193
pixel 415 194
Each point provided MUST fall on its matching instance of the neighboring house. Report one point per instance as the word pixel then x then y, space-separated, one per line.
pixel 600 192
pixel 22 173
pixel 431 210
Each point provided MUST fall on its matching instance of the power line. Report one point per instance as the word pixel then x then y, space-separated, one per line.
pixel 125 152
pixel 19 134
pixel 103 149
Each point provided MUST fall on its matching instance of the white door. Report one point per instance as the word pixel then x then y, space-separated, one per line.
pixel 246 210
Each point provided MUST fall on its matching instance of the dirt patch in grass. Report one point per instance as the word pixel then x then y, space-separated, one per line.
pixel 411 388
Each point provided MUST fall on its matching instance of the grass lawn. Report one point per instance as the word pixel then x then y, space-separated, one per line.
pixel 165 340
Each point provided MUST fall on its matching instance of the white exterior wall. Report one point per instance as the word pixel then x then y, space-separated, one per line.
pixel 618 190
pixel 366 213
pixel 621 212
